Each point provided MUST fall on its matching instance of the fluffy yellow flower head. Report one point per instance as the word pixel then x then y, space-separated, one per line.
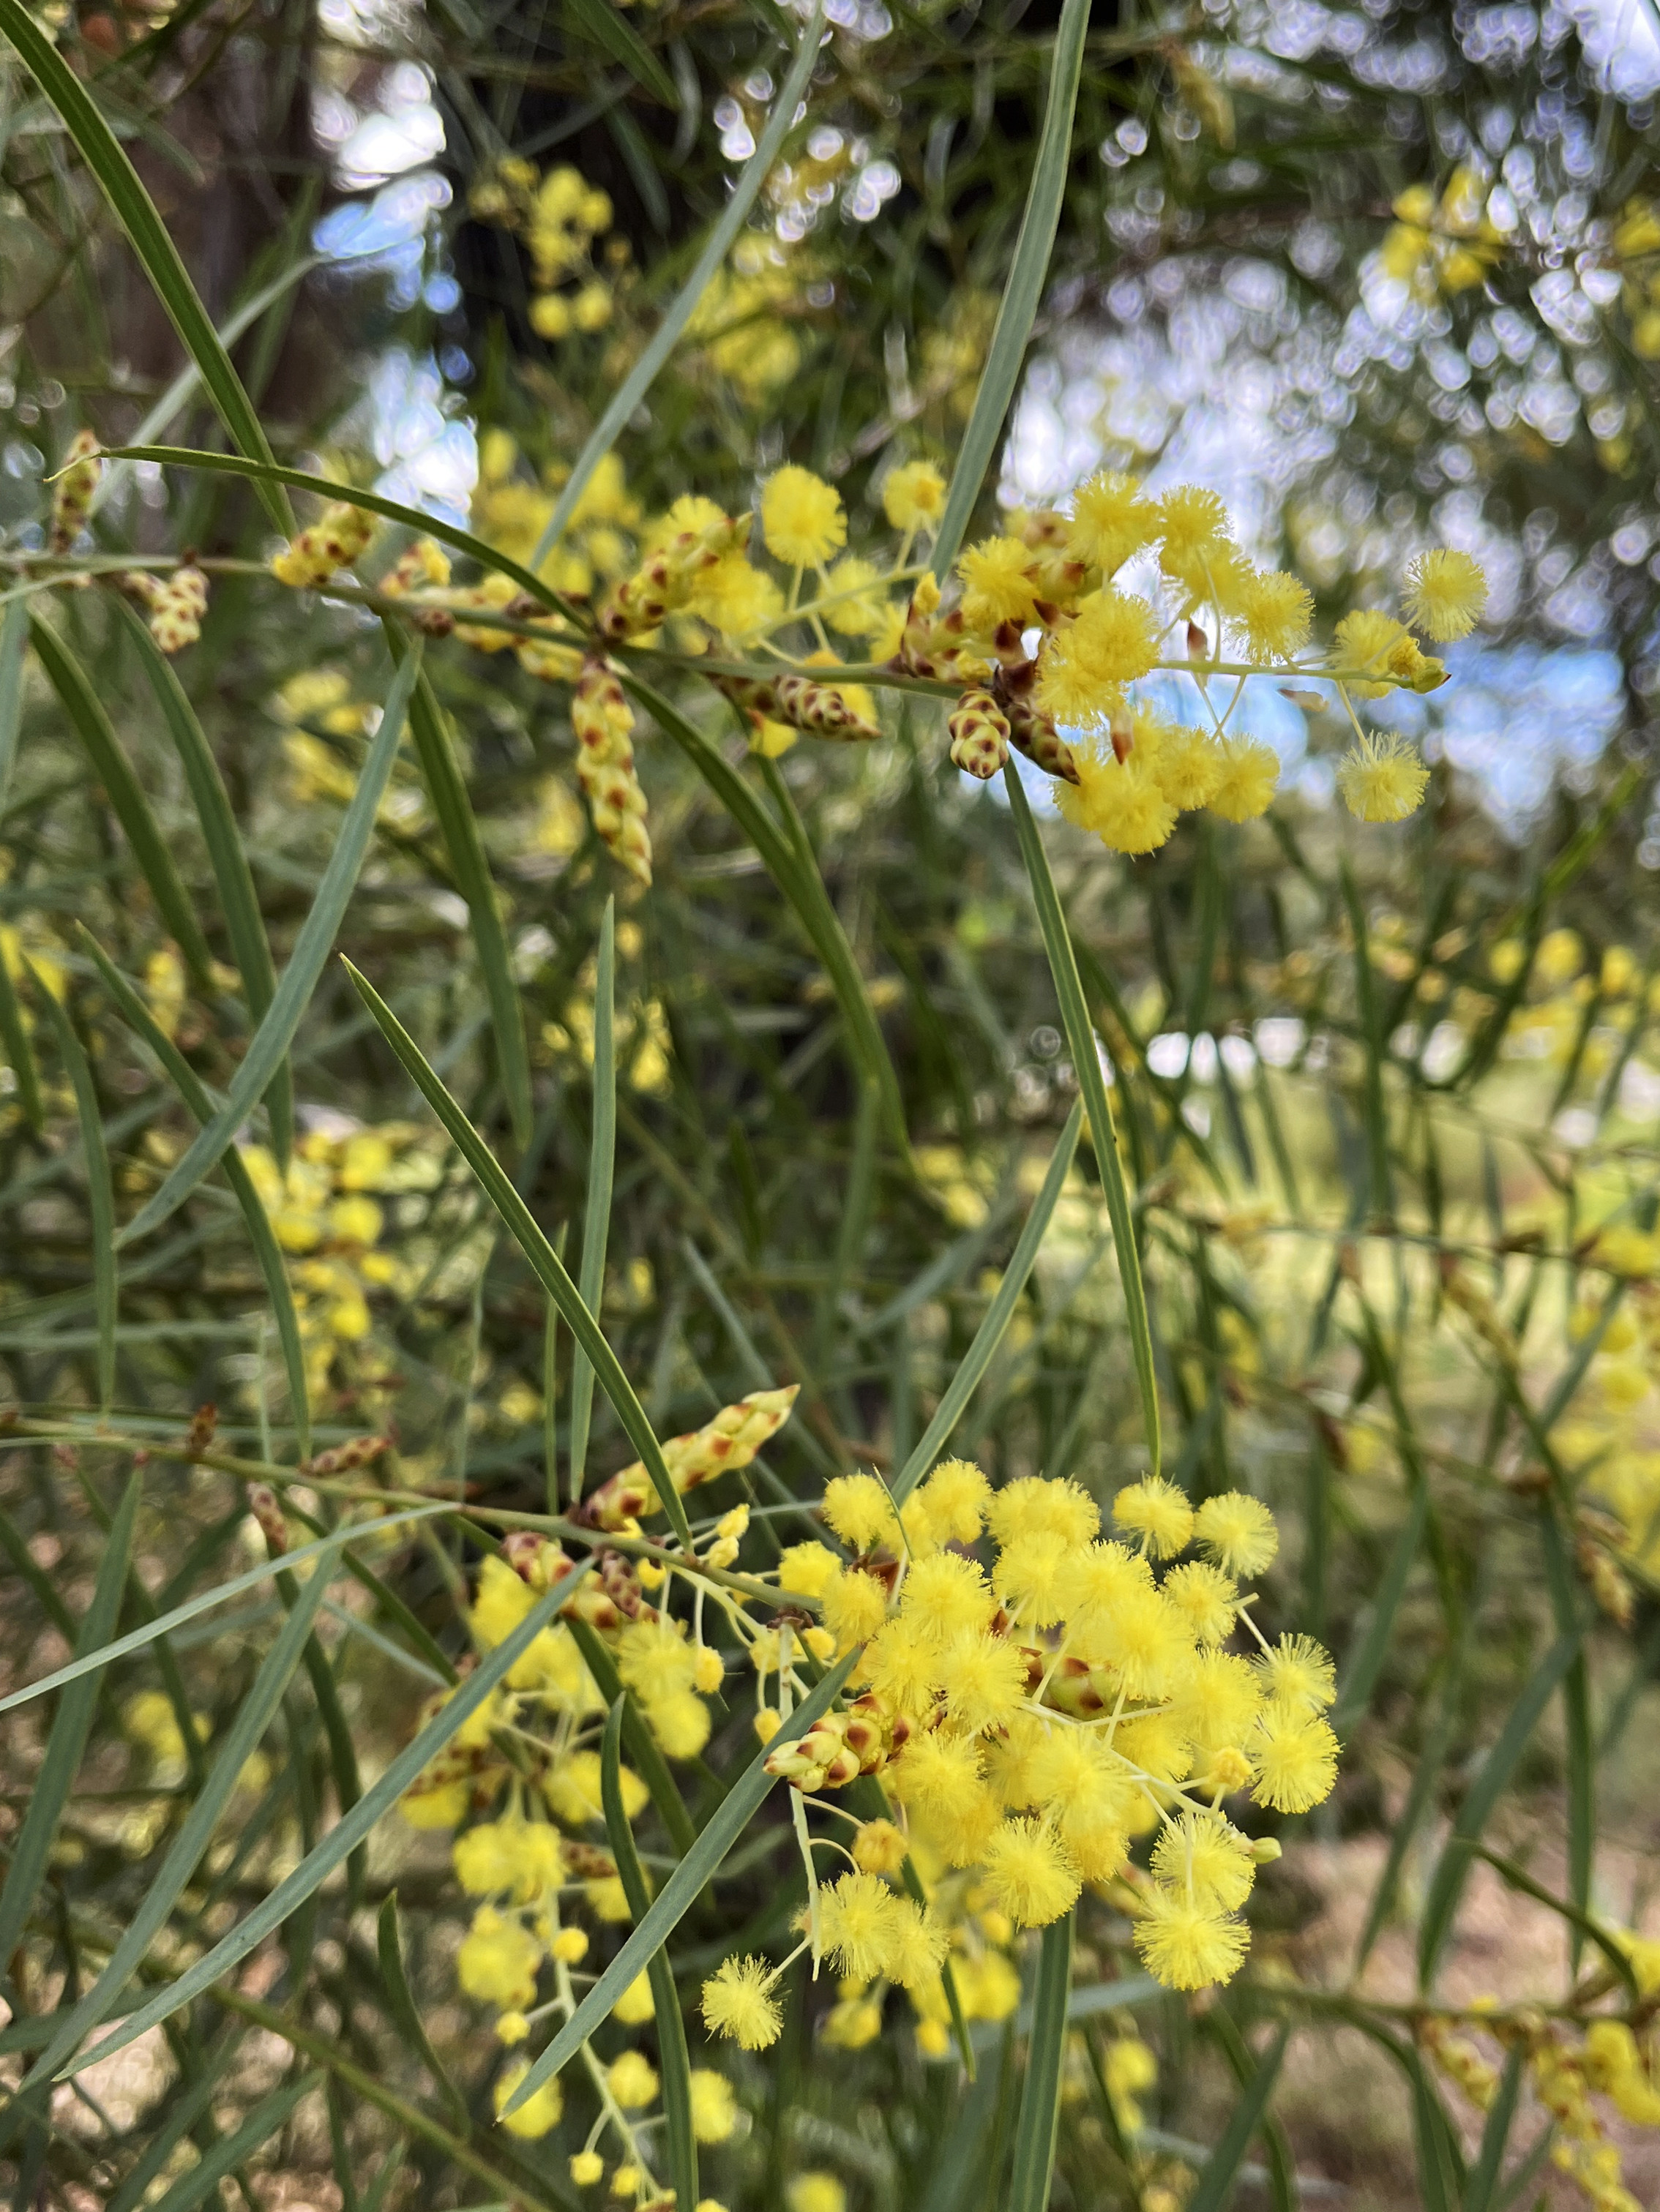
pixel 1194 523
pixel 1158 1513
pixel 1029 1874
pixel 1446 593
pixel 801 517
pixel 999 584
pixel 1382 779
pixel 1083 669
pixel 913 496
pixel 632 2079
pixel 1276 611
pixel 1186 1946
pixel 1248 770
pixel 1238 1530
pixel 736 2002
pixel 1124 803
pixel 714 2107
pixel 539 2113
pixel 861 1511
pixel 1111 518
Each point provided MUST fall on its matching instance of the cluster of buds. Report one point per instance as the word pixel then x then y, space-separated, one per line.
pixel 841 1746
pixel 343 1459
pixel 422 566
pixel 604 723
pixel 1595 1535
pixel 71 496
pixel 264 1506
pixel 174 604
pixel 1460 2061
pixel 309 560
pixel 730 1441
pixel 979 732
pixel 605 1600
pixel 797 701
pixel 1461 1290
pixel 1013 685
pixel 204 1427
pixel 667 582
pixel 933 644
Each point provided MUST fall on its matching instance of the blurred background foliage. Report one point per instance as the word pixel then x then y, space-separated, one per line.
pixel 1388 1097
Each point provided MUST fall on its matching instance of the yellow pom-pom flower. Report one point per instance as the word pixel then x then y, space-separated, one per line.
pixel 1111 518
pixel 913 496
pixel 736 2003
pixel 632 2079
pixel 1237 1531
pixel 1248 772
pixel 714 2107
pixel 861 1511
pixel 1295 1755
pixel 541 2109
pixel 1028 1873
pixel 1157 1512
pixel 1185 1946
pixel 801 517
pixel 1382 779
pixel 1447 594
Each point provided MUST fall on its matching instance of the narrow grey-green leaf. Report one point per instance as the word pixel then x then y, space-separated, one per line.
pixel 1577 1731
pixel 270 1043
pixel 239 902
pixel 673 2061
pixel 254 1716
pixel 101 1193
pixel 406 2013
pixel 347 1833
pixel 683 1889
pixel 1025 289
pixel 522 1227
pixel 372 503
pixel 1221 2170
pixel 80 703
pixel 20 1053
pixel 1447 1884
pixel 459 826
pixel 1093 1090
pixel 999 1313
pixel 602 1167
pixel 119 182
pixel 267 1251
pixel 70 1730
pixel 1362 1671
pixel 802 885
pixel 93 1660
pixel 177 397
pixel 644 1747
pixel 639 379
pixel 13 636
pixel 1481 2190
pixel 607 27
pixel 203 2178
pixel 1040 2099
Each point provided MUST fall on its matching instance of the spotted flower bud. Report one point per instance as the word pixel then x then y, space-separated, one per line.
pixel 71 497
pixel 979 732
pixel 604 723
pixel 801 703
pixel 310 559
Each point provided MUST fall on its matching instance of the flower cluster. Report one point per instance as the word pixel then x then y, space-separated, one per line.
pixel 330 1211
pixel 1606 2059
pixel 1028 1697
pixel 1050 632
pixel 1442 244
pixel 559 216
